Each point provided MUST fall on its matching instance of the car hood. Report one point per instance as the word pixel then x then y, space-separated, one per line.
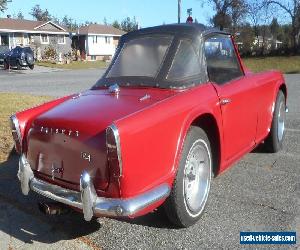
pixel 94 110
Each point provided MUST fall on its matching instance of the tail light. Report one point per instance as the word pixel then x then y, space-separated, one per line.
pixel 16 133
pixel 114 151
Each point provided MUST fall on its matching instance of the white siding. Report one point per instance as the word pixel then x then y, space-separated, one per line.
pixel 96 46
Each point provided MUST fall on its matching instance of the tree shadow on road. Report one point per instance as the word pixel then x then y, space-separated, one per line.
pixel 21 218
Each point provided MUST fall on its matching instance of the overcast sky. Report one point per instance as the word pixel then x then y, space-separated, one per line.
pixel 148 13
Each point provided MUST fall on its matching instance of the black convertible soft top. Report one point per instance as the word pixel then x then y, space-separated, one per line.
pixel 166 56
pixel 193 29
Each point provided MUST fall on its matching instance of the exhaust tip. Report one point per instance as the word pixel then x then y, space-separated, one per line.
pixel 53 208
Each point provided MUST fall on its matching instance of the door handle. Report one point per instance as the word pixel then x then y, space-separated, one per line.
pixel 225 101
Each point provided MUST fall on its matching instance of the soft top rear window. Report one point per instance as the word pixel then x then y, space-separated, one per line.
pixel 141 56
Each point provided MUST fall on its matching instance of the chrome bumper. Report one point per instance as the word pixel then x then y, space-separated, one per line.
pixel 87 199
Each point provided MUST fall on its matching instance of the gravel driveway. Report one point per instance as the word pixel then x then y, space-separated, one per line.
pixel 259 193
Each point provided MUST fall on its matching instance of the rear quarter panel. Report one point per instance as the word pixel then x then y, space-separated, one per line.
pixel 268 84
pixel 152 139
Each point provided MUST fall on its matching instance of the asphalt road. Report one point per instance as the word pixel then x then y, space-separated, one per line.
pixel 259 193
pixel 46 81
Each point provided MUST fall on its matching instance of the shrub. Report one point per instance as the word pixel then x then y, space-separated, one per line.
pixel 50 53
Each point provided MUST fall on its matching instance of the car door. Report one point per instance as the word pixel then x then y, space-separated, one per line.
pixel 236 94
pixel 13 56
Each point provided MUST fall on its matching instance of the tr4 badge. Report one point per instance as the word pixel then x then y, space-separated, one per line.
pixel 86 156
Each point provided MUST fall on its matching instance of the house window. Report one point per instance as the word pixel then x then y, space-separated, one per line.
pixel 95 39
pixel 44 38
pixel 61 39
pixel 4 40
pixel 107 39
pixel 26 39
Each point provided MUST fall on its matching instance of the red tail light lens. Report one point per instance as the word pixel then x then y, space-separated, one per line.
pixel 114 151
pixel 16 133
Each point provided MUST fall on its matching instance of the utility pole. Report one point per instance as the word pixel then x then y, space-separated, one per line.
pixel 179 10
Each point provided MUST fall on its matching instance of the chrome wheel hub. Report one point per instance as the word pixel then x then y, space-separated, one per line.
pixel 197 176
pixel 281 121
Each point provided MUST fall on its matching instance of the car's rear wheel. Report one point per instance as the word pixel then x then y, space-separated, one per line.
pixel 189 194
pixel 276 136
pixel 29 59
pixel 19 65
pixel 6 66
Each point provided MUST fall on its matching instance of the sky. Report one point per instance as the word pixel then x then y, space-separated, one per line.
pixel 147 13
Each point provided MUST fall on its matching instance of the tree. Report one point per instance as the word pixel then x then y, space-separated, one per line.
pixel 129 25
pixel 246 38
pixel 3 4
pixel 116 25
pixel 69 23
pixel 20 15
pixel 292 9
pixel 221 20
pixel 274 27
pixel 228 13
pixel 255 13
pixel 39 14
pixel 238 11
pixel 105 21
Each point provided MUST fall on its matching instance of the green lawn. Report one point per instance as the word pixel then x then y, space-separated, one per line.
pixel 75 65
pixel 286 64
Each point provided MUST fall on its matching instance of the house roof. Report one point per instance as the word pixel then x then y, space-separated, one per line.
pixel 22 25
pixel 100 29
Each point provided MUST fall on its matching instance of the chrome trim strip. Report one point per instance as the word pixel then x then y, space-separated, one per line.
pixel 87 200
pixel 118 143
pixel 15 122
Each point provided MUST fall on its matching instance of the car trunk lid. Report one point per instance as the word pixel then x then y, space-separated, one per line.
pixel 70 138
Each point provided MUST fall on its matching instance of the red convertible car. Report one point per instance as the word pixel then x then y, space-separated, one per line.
pixel 175 108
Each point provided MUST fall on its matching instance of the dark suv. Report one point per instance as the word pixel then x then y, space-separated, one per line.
pixel 19 57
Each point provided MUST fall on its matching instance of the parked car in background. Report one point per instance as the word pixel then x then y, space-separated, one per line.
pixel 175 108
pixel 4 50
pixel 19 57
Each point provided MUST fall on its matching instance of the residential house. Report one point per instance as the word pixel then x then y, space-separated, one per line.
pixel 37 34
pixel 97 42
pixel 269 42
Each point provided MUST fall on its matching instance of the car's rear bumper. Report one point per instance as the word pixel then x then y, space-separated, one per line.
pixel 87 199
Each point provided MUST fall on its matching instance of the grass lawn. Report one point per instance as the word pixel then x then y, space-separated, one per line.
pixel 10 104
pixel 75 65
pixel 286 64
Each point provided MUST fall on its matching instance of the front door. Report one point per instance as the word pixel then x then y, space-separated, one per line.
pixel 236 95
